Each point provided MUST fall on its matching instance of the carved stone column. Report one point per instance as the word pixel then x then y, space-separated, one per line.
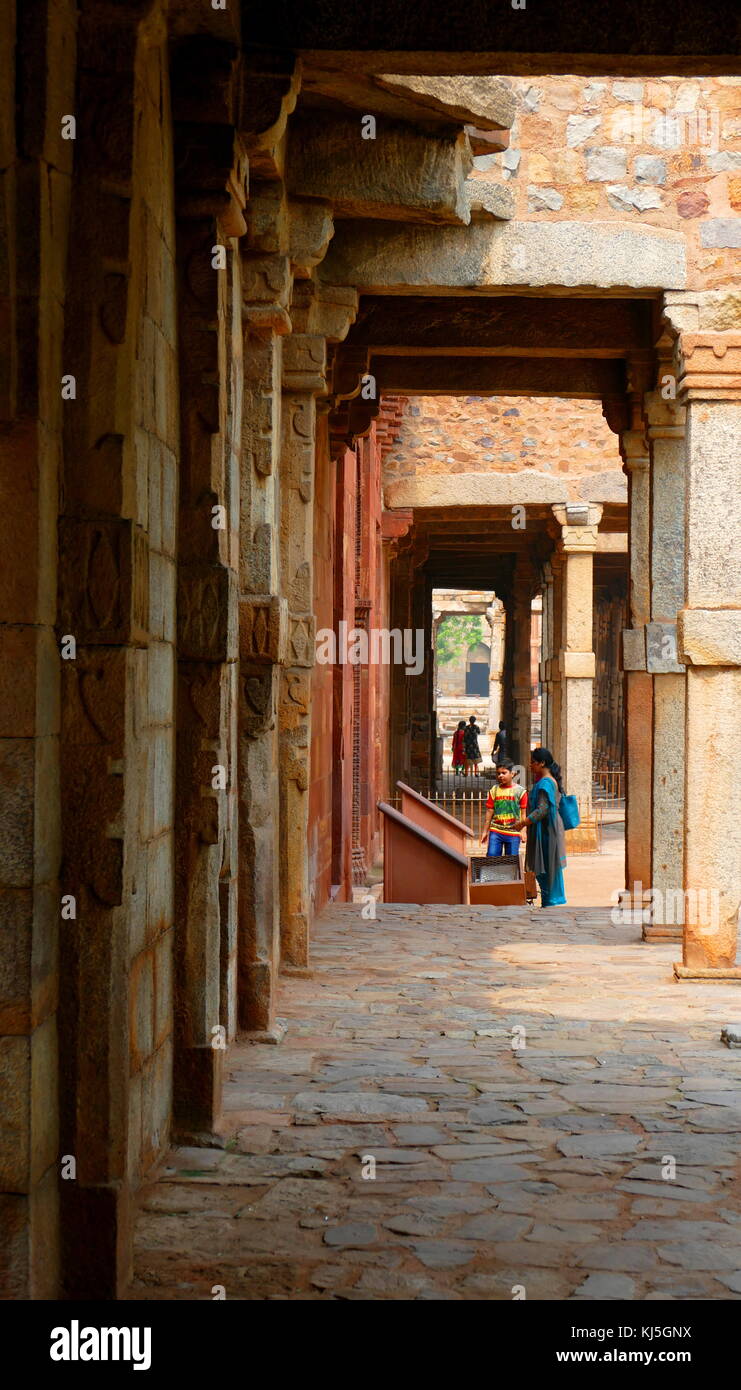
pixel 304 366
pixel 208 225
pixel 666 438
pixel 709 641
pixel 495 619
pixel 522 694
pixel 638 683
pixel 546 653
pixel 579 523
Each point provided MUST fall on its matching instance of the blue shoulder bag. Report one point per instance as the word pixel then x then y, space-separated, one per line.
pixel 568 810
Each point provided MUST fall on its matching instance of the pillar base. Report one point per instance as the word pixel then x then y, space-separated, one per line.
pixel 274 1035
pixel 656 932
pixel 710 972
pixel 198 1087
pixel 96 1241
pixel 256 996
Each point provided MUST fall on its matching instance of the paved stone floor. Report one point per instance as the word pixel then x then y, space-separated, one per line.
pixel 539 1166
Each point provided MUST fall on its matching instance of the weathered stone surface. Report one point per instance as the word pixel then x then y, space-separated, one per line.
pixel 403 173
pixel 513 253
pixel 483 101
pixel 363 1105
pixel 605 1287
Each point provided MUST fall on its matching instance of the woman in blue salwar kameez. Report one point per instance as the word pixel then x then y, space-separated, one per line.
pixel 545 853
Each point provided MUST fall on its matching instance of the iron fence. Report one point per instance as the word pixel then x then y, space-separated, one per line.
pixel 467 804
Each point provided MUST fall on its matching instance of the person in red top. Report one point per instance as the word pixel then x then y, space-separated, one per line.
pixel 506 805
pixel 459 757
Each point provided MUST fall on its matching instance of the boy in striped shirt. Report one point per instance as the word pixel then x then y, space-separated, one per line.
pixel 506 806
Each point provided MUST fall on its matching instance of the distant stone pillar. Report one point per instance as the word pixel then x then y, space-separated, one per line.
pixel 495 619
pixel 638 683
pixel 579 523
pixel 666 437
pixel 709 642
pixel 522 693
pixel 546 653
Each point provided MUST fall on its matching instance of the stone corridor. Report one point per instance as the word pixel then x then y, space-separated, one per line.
pixel 530 1159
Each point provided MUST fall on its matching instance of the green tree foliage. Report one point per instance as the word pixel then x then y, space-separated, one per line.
pixel 456 634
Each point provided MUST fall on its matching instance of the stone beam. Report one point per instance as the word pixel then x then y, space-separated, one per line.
pixel 489 256
pixel 485 102
pixel 578 378
pixel 483 490
pixel 506 325
pixel 403 173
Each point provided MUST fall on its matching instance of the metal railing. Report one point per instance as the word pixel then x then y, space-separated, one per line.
pixel 468 805
pixel 609 786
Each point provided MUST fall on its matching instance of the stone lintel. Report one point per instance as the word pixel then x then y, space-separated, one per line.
pixel 612 543
pixel 709 636
pixel 634 649
pixel 555 325
pixel 482 490
pixel 405 172
pixel 577 665
pixel 487 102
pixel 393 258
pixel 581 378
pixel 661 649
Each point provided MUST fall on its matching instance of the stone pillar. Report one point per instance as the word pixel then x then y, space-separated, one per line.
pixel 522 693
pixel 209 304
pixel 546 653
pixel 638 683
pixel 495 619
pixel 666 438
pixel 263 625
pixel 709 640
pixel 304 367
pixel 579 523
pixel 556 685
pixel 36 183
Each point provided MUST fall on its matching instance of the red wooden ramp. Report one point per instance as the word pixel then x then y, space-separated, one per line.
pixel 418 867
pixel 432 818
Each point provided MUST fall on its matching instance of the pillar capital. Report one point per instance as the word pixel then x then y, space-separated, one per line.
pixel 709 366
pixel 634 449
pixel 305 364
pixel 579 523
pixel 666 419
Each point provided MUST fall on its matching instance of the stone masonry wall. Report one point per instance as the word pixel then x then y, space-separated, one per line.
pixel 478 434
pixel 664 152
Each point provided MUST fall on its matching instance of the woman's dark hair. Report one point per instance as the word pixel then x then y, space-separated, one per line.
pixel 502 724
pixel 461 723
pixel 544 755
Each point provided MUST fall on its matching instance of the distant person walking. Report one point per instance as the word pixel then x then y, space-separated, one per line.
pixel 545 855
pixel 459 757
pixel 471 744
pixel 500 751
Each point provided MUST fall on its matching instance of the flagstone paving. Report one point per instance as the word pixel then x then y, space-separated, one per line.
pixel 465 1101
